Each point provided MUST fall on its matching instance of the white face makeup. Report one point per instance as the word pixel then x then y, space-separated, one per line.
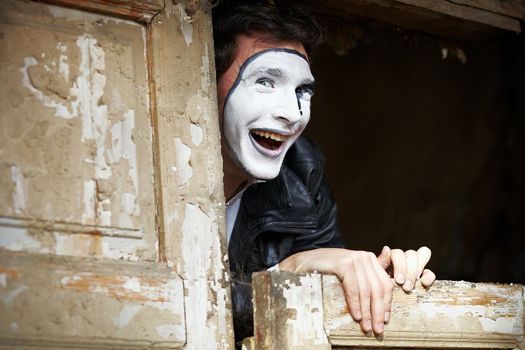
pixel 266 110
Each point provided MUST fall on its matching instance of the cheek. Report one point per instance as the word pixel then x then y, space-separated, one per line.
pixel 243 107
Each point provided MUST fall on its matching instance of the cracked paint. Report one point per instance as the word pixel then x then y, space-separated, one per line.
pixel 185 25
pixel 182 161
pixel 306 303
pixel 196 134
pixel 8 297
pixel 19 194
pixel 127 312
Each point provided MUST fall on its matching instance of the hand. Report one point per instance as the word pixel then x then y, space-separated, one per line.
pixel 367 286
pixel 408 266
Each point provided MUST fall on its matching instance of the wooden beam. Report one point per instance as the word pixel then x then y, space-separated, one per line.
pixel 450 314
pixel 135 10
pixel 509 8
pixel 60 302
pixel 466 13
pixel 451 19
pixel 288 312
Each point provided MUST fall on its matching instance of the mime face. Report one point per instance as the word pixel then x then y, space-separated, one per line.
pixel 266 110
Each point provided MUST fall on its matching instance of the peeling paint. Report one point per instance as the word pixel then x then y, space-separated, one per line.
pixel 130 208
pixel 185 25
pixel 19 194
pixel 305 301
pixel 123 146
pixel 167 330
pixel 122 248
pixel 90 90
pixel 182 160
pixel 205 69
pixel 72 15
pixel 127 312
pixel 18 239
pixel 500 325
pixel 8 298
pixel 201 334
pixel 432 310
pixel 196 135
pixel 61 110
pixel 197 237
pixel 3 279
pixel 14 327
pixel 89 196
pixel 132 284
pixel 63 66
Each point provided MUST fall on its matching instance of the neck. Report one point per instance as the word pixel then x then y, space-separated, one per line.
pixel 235 178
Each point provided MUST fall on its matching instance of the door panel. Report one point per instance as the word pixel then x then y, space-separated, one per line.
pixel 64 302
pixel 111 200
pixel 76 173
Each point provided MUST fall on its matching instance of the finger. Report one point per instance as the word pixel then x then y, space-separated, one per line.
pixel 411 274
pixel 364 293
pixel 427 278
pixel 351 289
pixel 377 291
pixel 388 288
pixel 399 264
pixel 385 257
pixel 423 257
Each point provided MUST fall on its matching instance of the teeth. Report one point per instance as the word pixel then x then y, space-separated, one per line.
pixel 271 135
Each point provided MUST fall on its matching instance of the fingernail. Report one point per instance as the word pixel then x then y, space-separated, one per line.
pixel 408 286
pixel 387 316
pixel 400 278
pixel 380 327
pixel 368 325
pixel 358 315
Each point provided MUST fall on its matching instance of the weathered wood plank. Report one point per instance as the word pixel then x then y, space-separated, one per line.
pixel 472 14
pixel 449 314
pixel 137 10
pixel 437 17
pixel 189 185
pixel 65 302
pixel 510 8
pixel 288 311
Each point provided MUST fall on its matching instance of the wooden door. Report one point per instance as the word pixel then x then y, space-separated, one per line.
pixel 110 188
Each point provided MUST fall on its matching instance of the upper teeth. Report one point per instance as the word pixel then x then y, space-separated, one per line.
pixel 270 135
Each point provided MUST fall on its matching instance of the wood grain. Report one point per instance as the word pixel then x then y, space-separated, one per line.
pixel 136 10
pixel 449 314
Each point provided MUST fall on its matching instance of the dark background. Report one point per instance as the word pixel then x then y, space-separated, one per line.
pixel 427 150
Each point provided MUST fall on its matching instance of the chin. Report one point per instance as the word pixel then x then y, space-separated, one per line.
pixel 266 172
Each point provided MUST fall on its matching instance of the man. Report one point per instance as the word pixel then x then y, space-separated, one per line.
pixel 280 212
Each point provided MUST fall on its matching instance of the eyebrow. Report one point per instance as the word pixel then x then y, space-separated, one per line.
pixel 273 72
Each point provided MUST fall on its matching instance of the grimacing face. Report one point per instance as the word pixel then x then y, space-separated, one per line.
pixel 267 109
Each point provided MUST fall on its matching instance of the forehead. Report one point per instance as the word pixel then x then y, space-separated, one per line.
pixel 279 63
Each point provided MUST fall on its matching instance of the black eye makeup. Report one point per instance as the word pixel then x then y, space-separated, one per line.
pixel 305 89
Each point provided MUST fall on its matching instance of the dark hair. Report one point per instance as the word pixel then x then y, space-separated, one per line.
pixel 278 20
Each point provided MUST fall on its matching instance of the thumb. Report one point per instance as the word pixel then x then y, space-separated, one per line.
pixel 385 257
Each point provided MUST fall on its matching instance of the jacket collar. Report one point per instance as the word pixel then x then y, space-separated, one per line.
pixel 284 198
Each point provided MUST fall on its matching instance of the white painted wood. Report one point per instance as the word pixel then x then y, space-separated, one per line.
pixel 449 314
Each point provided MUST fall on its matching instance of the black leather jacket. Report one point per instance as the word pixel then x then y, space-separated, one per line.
pixel 293 212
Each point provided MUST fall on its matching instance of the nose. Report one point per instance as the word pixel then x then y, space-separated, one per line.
pixel 288 108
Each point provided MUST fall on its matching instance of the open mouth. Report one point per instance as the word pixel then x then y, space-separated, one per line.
pixel 267 139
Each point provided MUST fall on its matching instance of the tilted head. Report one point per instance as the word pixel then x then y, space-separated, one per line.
pixel 264 81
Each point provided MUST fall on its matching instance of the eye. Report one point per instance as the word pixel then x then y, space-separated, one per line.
pixel 305 91
pixel 266 82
